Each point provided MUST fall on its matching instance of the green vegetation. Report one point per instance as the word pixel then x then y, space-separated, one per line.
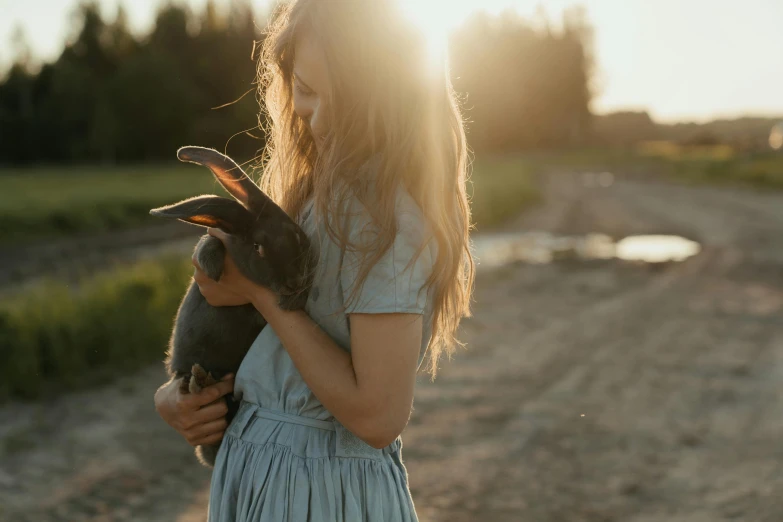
pixel 713 164
pixel 759 172
pixel 55 337
pixel 40 203
pixel 501 187
pixel 718 164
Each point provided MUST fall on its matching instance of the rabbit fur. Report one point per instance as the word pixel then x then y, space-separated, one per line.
pixel 266 245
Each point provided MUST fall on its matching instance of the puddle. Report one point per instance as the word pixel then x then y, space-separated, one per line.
pixel 540 247
pixel 656 249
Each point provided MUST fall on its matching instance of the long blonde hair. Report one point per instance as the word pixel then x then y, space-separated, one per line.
pixel 389 102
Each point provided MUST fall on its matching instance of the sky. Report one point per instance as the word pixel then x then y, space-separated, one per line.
pixel 681 60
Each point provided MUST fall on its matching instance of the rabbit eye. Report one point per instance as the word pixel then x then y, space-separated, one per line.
pixel 258 247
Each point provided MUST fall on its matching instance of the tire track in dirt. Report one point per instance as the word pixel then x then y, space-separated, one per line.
pixel 576 477
pixel 553 373
pixel 98 455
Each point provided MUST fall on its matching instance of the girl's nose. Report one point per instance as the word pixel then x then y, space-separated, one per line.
pixel 317 121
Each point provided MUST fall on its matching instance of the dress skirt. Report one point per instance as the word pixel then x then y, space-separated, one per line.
pixel 274 466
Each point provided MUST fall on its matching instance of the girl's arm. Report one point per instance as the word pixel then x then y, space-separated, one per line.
pixel 370 390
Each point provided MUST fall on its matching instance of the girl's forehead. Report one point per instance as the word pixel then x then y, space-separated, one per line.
pixel 310 62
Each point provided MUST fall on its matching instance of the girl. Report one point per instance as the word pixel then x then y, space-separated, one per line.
pixel 367 149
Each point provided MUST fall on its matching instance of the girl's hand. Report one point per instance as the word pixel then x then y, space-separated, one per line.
pixel 215 293
pixel 233 286
pixel 199 417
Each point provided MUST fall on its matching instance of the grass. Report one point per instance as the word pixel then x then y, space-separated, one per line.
pixel 36 204
pixel 56 338
pixel 710 165
pixel 501 187
pixel 756 172
pixel 47 202
pixel 716 165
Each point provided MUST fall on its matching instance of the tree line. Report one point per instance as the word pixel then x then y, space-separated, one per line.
pixel 115 97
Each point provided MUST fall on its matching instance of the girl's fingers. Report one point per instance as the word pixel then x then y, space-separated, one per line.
pixel 201 277
pixel 212 393
pixel 212 439
pixel 199 433
pixel 210 413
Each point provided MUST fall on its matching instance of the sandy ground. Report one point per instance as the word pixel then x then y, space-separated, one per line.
pixel 589 390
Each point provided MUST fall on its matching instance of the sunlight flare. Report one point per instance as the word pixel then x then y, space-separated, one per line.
pixel 436 18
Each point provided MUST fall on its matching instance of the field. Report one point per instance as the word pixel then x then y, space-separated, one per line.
pixel 44 203
pixel 49 202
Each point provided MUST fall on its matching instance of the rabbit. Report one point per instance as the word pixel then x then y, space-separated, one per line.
pixel 267 246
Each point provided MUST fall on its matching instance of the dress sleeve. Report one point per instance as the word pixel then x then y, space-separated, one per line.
pixel 396 283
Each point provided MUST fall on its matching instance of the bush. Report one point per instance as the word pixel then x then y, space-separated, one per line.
pixel 501 188
pixel 55 337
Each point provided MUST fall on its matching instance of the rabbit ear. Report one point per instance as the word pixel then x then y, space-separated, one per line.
pixel 228 173
pixel 209 211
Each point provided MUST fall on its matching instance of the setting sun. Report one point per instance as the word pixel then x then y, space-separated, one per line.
pixel 436 18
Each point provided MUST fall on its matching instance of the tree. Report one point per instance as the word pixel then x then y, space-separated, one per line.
pixel 524 86
pixel 114 96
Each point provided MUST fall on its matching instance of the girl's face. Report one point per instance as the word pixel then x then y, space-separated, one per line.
pixel 311 86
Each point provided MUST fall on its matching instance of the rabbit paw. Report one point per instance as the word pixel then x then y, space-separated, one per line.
pixel 184 383
pixel 200 379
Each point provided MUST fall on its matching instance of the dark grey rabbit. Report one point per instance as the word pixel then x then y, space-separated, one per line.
pixel 267 246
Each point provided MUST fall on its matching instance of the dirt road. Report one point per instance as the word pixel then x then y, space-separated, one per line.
pixel 71 258
pixel 589 391
pixel 608 391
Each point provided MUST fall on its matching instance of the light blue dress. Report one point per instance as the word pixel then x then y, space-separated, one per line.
pixel 284 457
